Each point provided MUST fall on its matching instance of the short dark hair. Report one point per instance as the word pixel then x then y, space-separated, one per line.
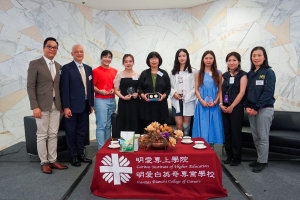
pixel 265 63
pixel 105 53
pixel 50 39
pixel 127 55
pixel 237 56
pixel 154 54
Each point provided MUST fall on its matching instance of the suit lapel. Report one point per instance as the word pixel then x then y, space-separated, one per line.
pixel 87 75
pixel 57 68
pixel 75 68
pixel 86 70
pixel 45 66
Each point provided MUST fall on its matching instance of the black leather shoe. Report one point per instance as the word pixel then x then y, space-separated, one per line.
pixel 83 158
pixel 75 162
pixel 234 162
pixel 227 161
pixel 253 164
pixel 259 167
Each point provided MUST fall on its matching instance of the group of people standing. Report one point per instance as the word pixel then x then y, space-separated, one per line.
pixel 54 90
pixel 216 100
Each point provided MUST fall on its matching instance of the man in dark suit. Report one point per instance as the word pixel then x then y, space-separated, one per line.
pixel 44 96
pixel 77 94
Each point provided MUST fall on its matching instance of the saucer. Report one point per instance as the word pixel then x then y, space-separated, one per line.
pixel 203 147
pixel 114 146
pixel 187 142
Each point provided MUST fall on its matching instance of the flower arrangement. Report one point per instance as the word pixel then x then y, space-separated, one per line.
pixel 157 133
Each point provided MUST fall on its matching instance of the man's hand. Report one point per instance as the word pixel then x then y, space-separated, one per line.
pixel 91 110
pixel 112 91
pixel 103 92
pixel 37 113
pixel 67 113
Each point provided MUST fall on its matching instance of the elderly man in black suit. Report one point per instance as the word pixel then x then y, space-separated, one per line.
pixel 77 94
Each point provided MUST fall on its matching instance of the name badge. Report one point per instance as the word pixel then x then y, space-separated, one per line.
pixel 135 78
pixel 90 77
pixel 160 73
pixel 59 72
pixel 231 80
pixel 259 82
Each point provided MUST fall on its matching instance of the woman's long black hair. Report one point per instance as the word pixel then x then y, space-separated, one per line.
pixel 176 67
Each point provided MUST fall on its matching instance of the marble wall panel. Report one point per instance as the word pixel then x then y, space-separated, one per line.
pixel 9 39
pixel 283 10
pixel 9 21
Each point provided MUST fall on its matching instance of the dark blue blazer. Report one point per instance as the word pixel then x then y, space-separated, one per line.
pixel 72 88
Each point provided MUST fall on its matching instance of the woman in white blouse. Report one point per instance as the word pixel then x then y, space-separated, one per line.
pixel 182 94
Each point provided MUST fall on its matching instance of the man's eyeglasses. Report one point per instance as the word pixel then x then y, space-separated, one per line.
pixel 51 47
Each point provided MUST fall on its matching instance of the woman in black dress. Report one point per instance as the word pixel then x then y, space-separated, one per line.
pixel 126 84
pixel 154 80
pixel 232 104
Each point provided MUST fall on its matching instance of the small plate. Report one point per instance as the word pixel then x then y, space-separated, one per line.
pixel 114 146
pixel 203 147
pixel 187 142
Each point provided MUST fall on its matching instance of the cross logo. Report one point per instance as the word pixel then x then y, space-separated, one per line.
pixel 116 169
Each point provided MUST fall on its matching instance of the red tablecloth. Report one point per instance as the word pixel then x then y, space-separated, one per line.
pixel 179 172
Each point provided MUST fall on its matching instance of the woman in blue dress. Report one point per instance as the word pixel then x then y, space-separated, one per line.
pixel 208 117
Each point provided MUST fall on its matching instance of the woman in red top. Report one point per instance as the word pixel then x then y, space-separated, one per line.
pixel 105 104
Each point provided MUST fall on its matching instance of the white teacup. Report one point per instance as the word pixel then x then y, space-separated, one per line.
pixel 187 139
pixel 200 145
pixel 199 142
pixel 114 143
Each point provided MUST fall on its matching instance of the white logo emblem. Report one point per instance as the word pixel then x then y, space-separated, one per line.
pixel 115 169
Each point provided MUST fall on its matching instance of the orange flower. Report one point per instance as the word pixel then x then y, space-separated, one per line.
pixel 149 128
pixel 178 133
pixel 172 141
pixel 157 133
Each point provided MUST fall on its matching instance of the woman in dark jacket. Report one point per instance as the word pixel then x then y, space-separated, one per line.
pixel 232 106
pixel 259 104
pixel 154 81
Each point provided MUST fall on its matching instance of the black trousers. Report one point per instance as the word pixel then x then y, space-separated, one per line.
pixel 233 123
pixel 76 128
